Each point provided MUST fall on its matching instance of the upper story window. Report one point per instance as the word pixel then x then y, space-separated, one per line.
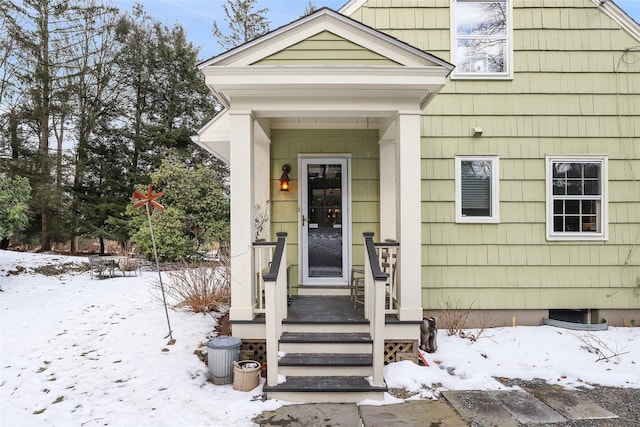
pixel 481 38
pixel 477 189
pixel 577 199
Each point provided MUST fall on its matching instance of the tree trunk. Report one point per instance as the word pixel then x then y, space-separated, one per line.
pixel 13 134
pixel 44 134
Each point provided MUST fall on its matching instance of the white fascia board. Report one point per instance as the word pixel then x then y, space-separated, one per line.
pixel 224 77
pixel 351 6
pixel 620 16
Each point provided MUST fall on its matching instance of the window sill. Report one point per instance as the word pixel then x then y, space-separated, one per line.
pixel 481 77
pixel 479 220
pixel 577 238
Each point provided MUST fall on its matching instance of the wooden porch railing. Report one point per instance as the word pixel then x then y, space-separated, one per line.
pixel 275 295
pixel 262 255
pixel 375 282
pixel 388 256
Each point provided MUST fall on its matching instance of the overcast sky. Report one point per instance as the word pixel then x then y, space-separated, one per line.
pixel 197 16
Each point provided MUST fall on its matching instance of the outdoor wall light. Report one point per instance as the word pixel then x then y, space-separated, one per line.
pixel 284 178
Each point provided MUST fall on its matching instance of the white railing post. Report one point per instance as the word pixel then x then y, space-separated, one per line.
pixel 282 286
pixel 275 284
pixel 368 287
pixel 378 333
pixel 375 283
pixel 271 335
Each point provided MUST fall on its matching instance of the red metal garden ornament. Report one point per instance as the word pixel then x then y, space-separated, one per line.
pixel 149 200
pixel 140 199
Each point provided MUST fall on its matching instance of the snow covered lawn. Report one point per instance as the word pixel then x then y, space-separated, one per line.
pixel 81 351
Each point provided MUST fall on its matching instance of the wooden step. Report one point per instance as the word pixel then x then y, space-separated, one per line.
pixel 327 328
pixel 335 338
pixel 326 364
pixel 297 342
pixel 326 359
pixel 325 389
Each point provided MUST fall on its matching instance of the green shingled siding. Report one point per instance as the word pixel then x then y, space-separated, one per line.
pixel 572 93
pixel 325 48
pixel 365 189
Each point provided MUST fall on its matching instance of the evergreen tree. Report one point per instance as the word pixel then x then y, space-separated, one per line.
pixel 309 9
pixel 14 206
pixel 165 97
pixel 196 215
pixel 244 23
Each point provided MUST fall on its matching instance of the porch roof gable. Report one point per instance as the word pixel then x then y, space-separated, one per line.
pixel 325 20
pixel 276 66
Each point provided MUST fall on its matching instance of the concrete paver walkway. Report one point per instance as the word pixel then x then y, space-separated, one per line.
pixel 504 408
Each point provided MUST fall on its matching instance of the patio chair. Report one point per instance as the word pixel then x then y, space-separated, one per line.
pixel 356 286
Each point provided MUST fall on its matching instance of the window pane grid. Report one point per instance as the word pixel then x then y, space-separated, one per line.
pixel 577 197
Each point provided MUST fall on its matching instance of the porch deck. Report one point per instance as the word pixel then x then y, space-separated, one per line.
pixel 324 309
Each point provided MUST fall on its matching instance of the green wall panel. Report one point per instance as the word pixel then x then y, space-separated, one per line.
pixel 325 48
pixel 286 144
pixel 574 91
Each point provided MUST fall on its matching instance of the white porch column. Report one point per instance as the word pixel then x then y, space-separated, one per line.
pixel 409 218
pixel 388 188
pixel 242 206
pixel 261 179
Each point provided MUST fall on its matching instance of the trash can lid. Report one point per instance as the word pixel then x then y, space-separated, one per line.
pixel 224 341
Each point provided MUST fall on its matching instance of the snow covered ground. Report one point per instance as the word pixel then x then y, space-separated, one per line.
pixel 80 351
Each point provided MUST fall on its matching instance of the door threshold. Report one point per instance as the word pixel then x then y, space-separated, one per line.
pixel 323 290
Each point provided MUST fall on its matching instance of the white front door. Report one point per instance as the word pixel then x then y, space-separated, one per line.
pixel 325 226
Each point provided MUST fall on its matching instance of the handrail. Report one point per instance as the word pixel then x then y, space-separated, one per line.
pixel 373 257
pixel 263 243
pixel 272 275
pixel 387 243
pixel 375 281
pixel 276 305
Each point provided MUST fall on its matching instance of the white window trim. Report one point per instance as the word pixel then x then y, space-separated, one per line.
pixel 495 191
pixel 455 75
pixel 604 226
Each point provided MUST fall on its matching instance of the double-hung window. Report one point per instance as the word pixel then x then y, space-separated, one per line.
pixel 577 198
pixel 481 38
pixel 477 189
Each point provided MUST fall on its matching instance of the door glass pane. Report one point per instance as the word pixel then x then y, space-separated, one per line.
pixel 325 220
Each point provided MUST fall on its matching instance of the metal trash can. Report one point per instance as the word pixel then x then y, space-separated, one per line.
pixel 221 353
pixel 246 375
